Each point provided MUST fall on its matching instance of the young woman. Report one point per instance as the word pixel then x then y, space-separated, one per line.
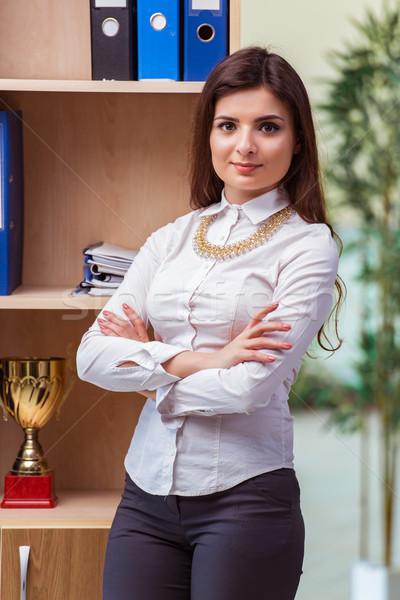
pixel 235 291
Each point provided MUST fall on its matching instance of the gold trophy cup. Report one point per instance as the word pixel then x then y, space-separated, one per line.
pixel 31 390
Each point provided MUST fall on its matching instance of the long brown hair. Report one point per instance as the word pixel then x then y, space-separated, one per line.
pixel 254 67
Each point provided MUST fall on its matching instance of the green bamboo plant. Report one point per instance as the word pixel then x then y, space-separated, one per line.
pixel 363 119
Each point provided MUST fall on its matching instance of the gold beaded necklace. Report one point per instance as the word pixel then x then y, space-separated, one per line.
pixel 204 249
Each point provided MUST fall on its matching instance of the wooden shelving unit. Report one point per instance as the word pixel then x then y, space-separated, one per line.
pixel 103 160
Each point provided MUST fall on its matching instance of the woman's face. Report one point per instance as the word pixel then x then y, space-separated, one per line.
pixel 252 143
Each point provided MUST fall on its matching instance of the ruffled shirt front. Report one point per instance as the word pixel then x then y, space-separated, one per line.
pixel 211 430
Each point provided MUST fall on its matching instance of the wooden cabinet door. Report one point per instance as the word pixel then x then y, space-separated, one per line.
pixel 64 564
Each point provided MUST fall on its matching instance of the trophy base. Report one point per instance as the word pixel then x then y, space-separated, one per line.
pixel 29 491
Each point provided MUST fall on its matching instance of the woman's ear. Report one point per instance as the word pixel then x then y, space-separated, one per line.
pixel 297 147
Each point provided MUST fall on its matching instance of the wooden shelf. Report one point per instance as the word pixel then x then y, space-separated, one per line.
pixel 130 87
pixel 57 298
pixel 75 508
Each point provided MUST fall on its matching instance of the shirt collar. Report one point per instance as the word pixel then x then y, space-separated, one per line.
pixel 257 210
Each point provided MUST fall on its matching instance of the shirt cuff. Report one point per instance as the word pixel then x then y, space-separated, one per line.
pixel 149 371
pixel 170 422
pixel 149 354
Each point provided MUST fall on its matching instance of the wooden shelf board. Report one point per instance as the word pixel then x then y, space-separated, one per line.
pixel 70 85
pixel 75 509
pixel 58 298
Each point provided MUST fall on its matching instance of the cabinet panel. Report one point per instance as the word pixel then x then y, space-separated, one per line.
pixel 45 40
pixel 64 564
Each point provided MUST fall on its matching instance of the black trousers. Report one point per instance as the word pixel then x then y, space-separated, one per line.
pixel 245 543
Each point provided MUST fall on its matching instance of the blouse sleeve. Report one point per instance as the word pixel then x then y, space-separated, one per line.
pixel 304 291
pixel 98 355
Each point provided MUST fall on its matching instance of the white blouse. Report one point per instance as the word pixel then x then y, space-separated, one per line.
pixel 217 427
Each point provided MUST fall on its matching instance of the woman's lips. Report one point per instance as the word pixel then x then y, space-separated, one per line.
pixel 245 167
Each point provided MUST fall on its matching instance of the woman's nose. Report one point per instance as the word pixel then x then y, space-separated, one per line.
pixel 245 142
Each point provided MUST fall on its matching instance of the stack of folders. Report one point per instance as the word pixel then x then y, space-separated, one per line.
pixel 11 201
pixel 104 268
pixel 158 39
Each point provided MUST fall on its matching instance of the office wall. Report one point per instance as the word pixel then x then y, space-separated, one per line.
pixel 303 31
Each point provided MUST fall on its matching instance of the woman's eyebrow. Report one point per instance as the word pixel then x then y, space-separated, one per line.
pixel 226 118
pixel 257 120
pixel 268 118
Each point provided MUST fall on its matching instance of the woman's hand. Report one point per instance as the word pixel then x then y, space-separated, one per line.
pixel 247 345
pixel 131 328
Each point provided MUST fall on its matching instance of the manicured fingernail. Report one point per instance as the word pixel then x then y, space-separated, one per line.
pixel 286 345
pixel 270 358
pixel 105 312
pixel 286 326
pixel 100 320
pixel 274 303
pixel 125 306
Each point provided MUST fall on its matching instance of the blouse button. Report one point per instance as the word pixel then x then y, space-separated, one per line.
pixel 221 237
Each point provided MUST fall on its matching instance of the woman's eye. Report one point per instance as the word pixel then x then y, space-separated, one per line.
pixel 227 126
pixel 269 127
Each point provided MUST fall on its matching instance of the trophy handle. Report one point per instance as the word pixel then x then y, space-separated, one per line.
pixel 3 406
pixel 72 377
pixel 5 411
